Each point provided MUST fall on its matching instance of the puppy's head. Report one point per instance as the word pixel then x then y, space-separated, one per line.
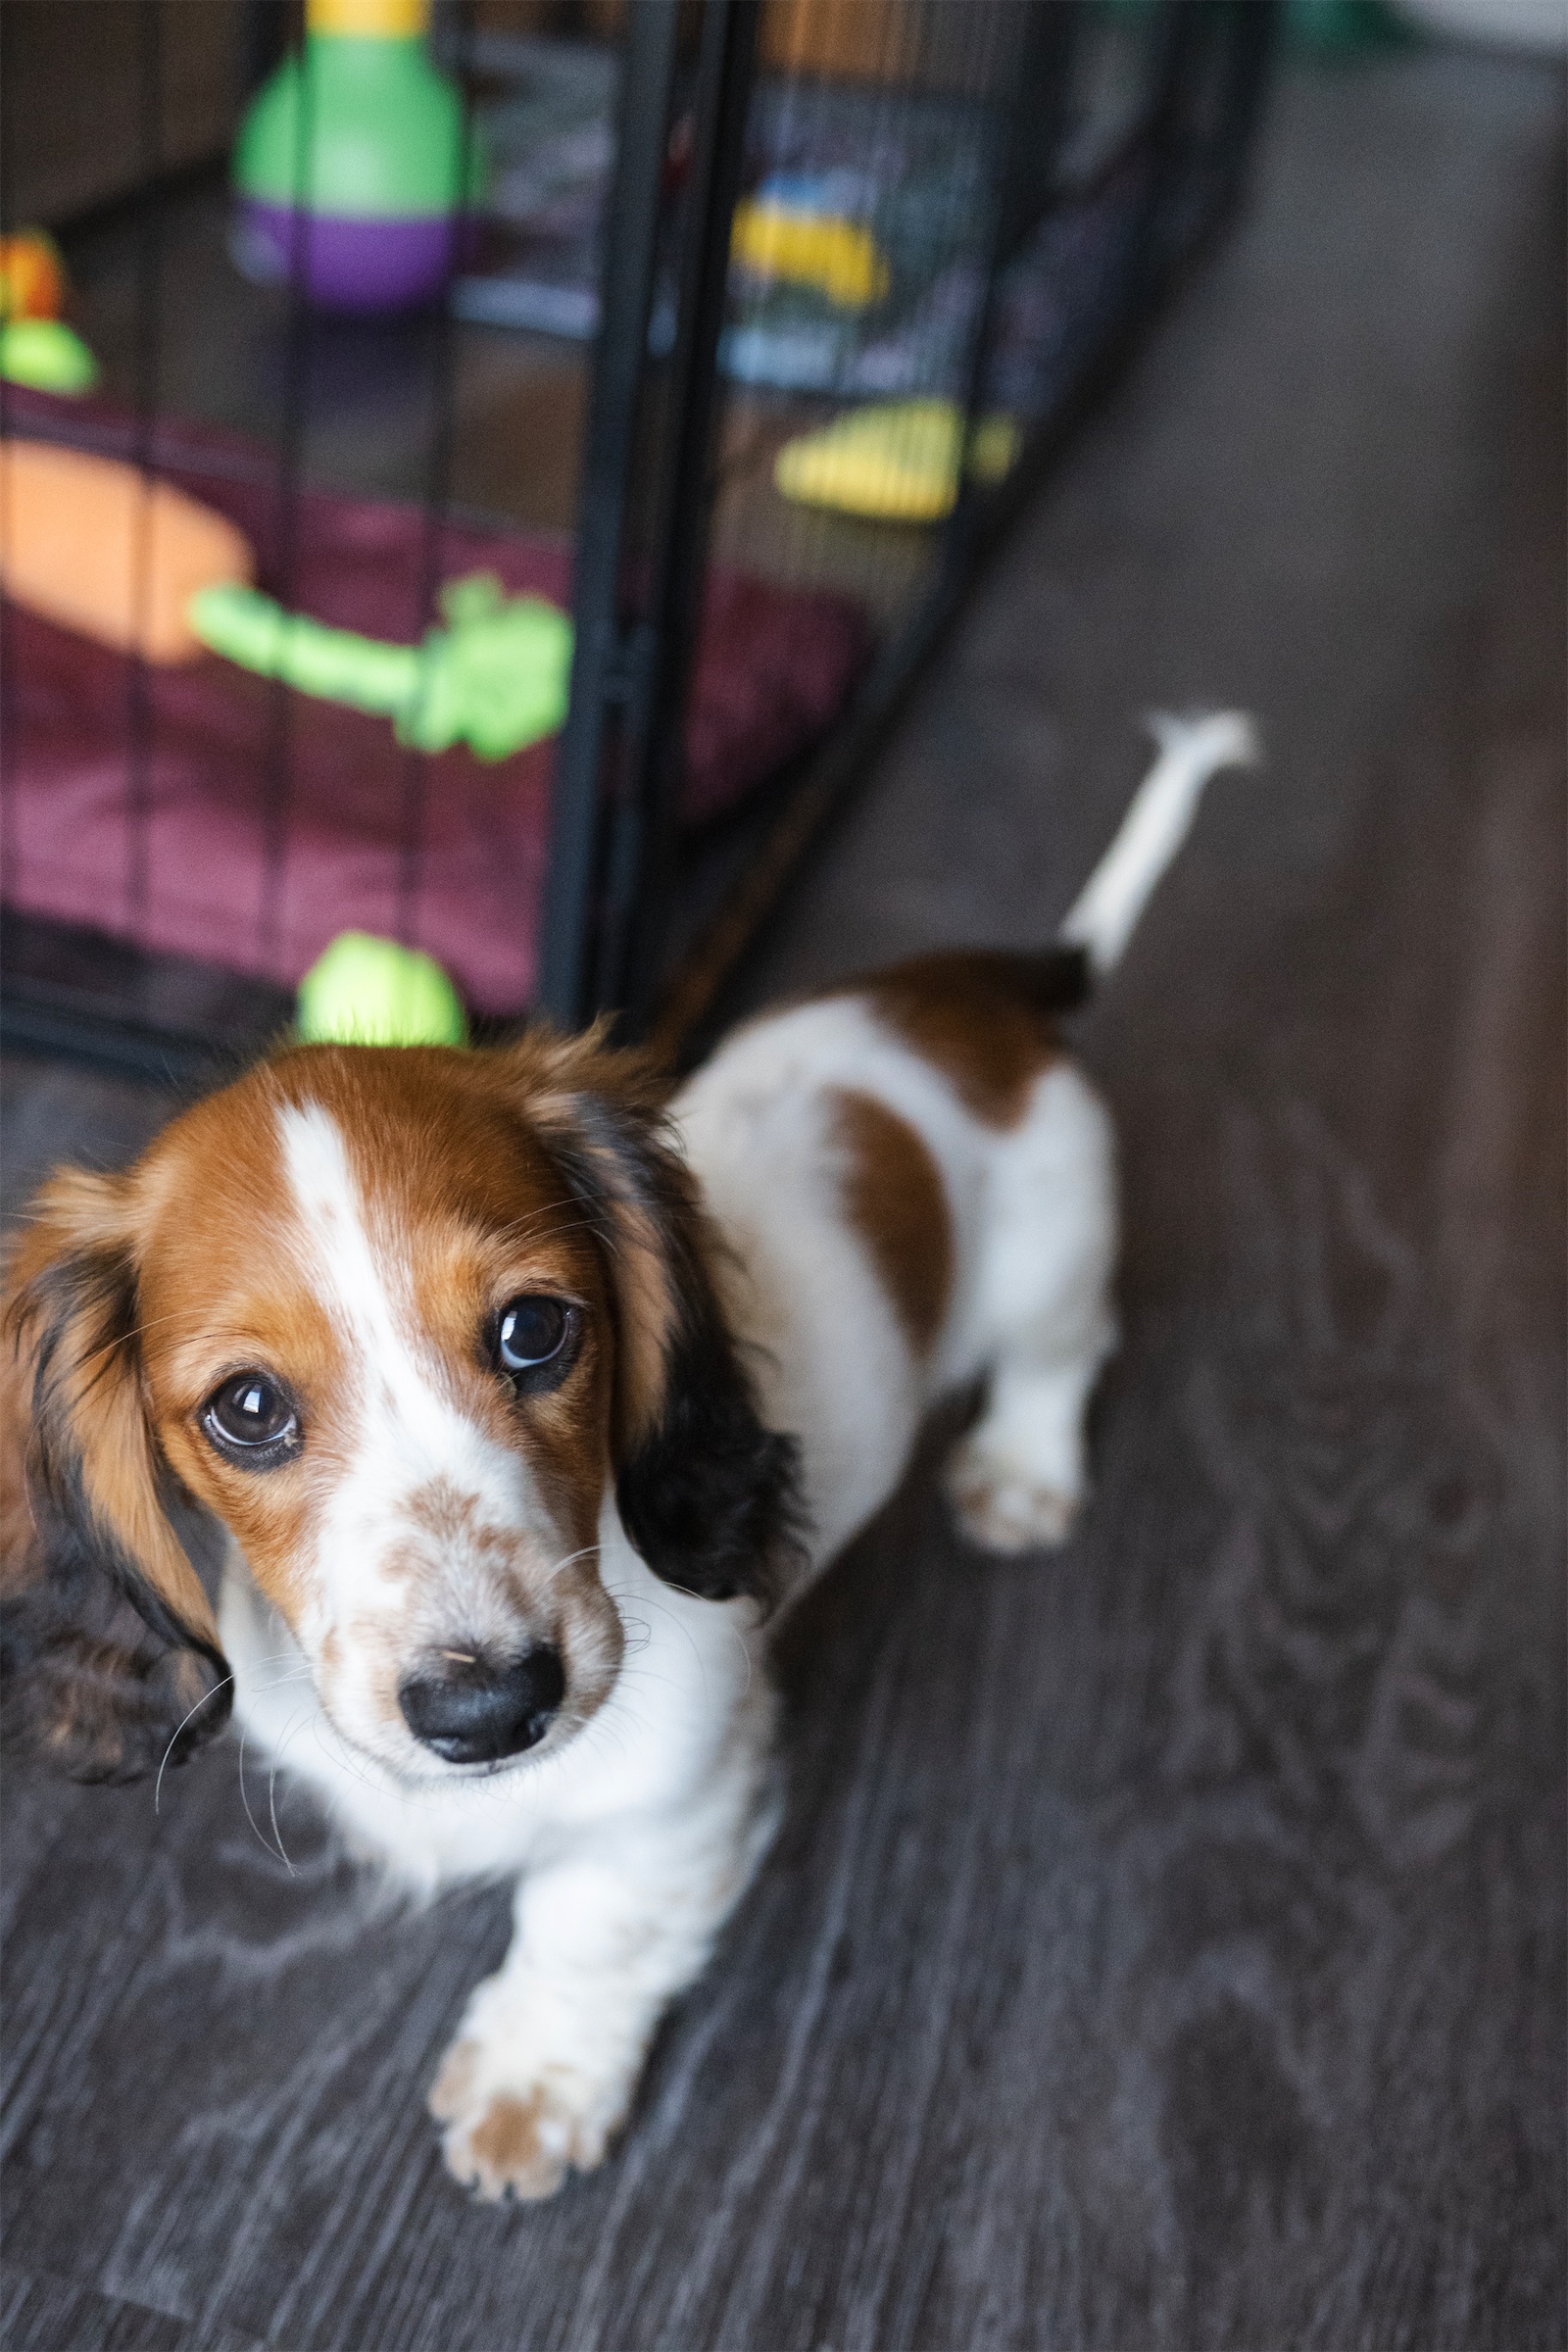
pixel 402 1321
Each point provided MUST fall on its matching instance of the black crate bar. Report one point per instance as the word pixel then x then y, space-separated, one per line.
pixel 641 866
pixel 619 767
pixel 608 657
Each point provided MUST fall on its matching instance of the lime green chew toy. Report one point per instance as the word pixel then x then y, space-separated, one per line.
pixel 45 354
pixel 365 991
pixel 496 677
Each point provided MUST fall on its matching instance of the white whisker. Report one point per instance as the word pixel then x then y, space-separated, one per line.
pixel 289 1729
pixel 587 1551
pixel 158 1784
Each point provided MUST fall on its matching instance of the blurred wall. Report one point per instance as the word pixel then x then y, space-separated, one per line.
pixel 72 73
pixel 858 39
pixel 72 106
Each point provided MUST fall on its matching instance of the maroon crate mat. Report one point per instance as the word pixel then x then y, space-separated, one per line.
pixel 773 667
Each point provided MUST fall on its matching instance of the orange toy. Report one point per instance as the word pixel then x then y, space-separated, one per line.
pixel 90 544
pixel 32 276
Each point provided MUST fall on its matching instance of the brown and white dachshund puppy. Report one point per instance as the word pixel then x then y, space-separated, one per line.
pixel 522 1400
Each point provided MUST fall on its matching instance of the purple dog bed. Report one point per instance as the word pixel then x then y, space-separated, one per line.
pixel 773 667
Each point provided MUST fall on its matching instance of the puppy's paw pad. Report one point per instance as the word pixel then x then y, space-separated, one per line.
pixel 503 2151
pixel 1002 1509
pixel 502 2142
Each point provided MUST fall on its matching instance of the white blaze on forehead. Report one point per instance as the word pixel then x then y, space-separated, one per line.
pixel 366 1295
pixel 408 1430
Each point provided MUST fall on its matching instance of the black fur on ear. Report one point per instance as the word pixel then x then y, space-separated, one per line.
pixel 108 1650
pixel 85 1684
pixel 710 1497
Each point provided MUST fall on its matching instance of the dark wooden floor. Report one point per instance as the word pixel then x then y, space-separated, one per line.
pixel 1165 1945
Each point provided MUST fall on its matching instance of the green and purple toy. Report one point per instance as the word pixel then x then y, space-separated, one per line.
pixel 385 194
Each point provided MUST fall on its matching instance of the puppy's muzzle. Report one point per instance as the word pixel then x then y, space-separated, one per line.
pixel 478 1709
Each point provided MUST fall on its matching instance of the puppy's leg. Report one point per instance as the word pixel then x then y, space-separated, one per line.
pixel 1046 1320
pixel 1017 1481
pixel 544 2067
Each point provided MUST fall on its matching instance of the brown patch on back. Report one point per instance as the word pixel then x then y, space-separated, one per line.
pixel 893 1196
pixel 979 1019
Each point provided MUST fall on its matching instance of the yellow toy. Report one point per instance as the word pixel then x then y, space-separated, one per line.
pixel 775 236
pixel 897 463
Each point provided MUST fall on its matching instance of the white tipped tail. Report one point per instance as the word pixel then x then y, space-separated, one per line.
pixel 1104 914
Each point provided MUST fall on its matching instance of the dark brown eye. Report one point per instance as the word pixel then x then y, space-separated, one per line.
pixel 532 1332
pixel 252 1421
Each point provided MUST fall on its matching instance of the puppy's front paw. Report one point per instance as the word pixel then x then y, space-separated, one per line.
pixel 1000 1507
pixel 517 2137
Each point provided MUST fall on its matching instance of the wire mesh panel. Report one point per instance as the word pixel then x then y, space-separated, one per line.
pixel 226 802
pixel 734 320
pixel 953 217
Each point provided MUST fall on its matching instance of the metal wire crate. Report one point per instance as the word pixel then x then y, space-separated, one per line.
pixel 1003 190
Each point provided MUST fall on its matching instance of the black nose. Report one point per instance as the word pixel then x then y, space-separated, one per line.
pixel 476 1710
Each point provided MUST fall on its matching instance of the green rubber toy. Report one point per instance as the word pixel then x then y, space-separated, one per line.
pixel 363 991
pixel 496 676
pixel 46 355
pixel 368 140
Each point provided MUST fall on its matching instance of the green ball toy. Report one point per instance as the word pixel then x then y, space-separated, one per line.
pixel 363 991
pixel 44 354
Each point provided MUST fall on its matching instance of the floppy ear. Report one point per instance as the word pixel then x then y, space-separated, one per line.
pixel 107 1640
pixel 709 1496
